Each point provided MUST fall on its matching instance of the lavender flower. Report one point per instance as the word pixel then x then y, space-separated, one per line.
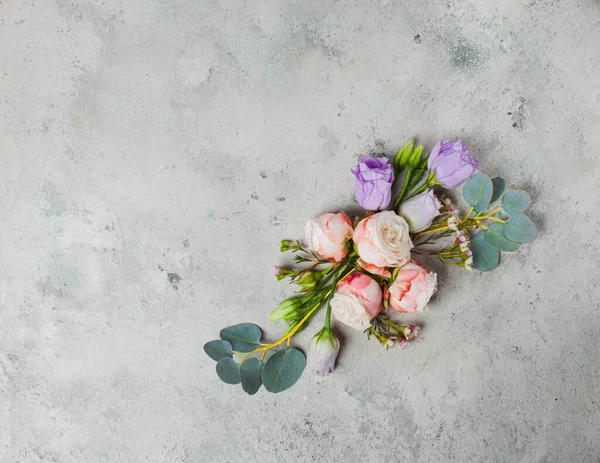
pixel 420 211
pixel 451 163
pixel 374 178
pixel 322 351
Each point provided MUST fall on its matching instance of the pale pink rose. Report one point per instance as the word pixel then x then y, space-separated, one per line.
pixel 328 235
pixel 412 289
pixel 382 240
pixel 374 269
pixel 356 301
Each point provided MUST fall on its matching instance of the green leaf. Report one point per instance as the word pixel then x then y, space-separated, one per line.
pixel 485 257
pixel 515 201
pixel 478 192
pixel 498 183
pixel 244 337
pixel 251 375
pixel 494 236
pixel 520 228
pixel 283 369
pixel 228 370
pixel 216 350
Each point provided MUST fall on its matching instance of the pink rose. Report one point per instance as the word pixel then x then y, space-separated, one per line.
pixel 412 289
pixel 382 240
pixel 374 269
pixel 328 235
pixel 356 301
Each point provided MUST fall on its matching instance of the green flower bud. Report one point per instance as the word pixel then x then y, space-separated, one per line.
pixel 309 280
pixel 288 245
pixel 415 157
pixel 403 155
pixel 287 308
pixel 280 273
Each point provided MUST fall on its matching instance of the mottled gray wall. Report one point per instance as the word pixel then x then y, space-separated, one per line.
pixel 153 152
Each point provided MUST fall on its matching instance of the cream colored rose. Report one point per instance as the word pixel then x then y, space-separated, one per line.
pixel 383 240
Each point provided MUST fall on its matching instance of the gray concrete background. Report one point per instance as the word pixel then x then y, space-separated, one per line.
pixel 154 152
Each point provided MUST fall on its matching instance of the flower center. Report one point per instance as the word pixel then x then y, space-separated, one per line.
pixel 392 236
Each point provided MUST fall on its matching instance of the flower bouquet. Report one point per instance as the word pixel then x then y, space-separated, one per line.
pixel 362 270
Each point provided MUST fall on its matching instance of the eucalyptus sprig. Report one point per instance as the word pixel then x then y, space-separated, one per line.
pixel 283 367
pixel 503 228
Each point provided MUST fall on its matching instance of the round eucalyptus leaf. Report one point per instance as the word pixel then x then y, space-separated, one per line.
pixel 520 228
pixel 216 350
pixel 485 257
pixel 515 201
pixel 498 183
pixel 494 236
pixel 251 375
pixel 244 337
pixel 228 370
pixel 283 369
pixel 478 192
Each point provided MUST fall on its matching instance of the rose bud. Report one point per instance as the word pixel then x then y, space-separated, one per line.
pixel 451 163
pixel 328 234
pixel 309 279
pixel 412 288
pixel 356 301
pixel 420 211
pixel 374 178
pixel 383 240
pixel 322 352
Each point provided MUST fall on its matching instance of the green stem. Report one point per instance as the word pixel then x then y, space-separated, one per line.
pixel 347 271
pixel 396 177
pixel 400 197
pixel 418 176
pixel 421 189
pixel 430 181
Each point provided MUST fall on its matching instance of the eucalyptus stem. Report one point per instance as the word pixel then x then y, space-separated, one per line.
pixel 288 336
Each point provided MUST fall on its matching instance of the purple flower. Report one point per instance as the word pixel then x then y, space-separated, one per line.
pixel 374 177
pixel 322 351
pixel 451 163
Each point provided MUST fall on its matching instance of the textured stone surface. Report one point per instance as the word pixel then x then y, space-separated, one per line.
pixel 154 152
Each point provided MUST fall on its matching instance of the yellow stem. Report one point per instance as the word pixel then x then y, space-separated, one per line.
pixel 465 217
pixel 265 347
pixel 496 220
pixel 433 231
pixel 487 216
